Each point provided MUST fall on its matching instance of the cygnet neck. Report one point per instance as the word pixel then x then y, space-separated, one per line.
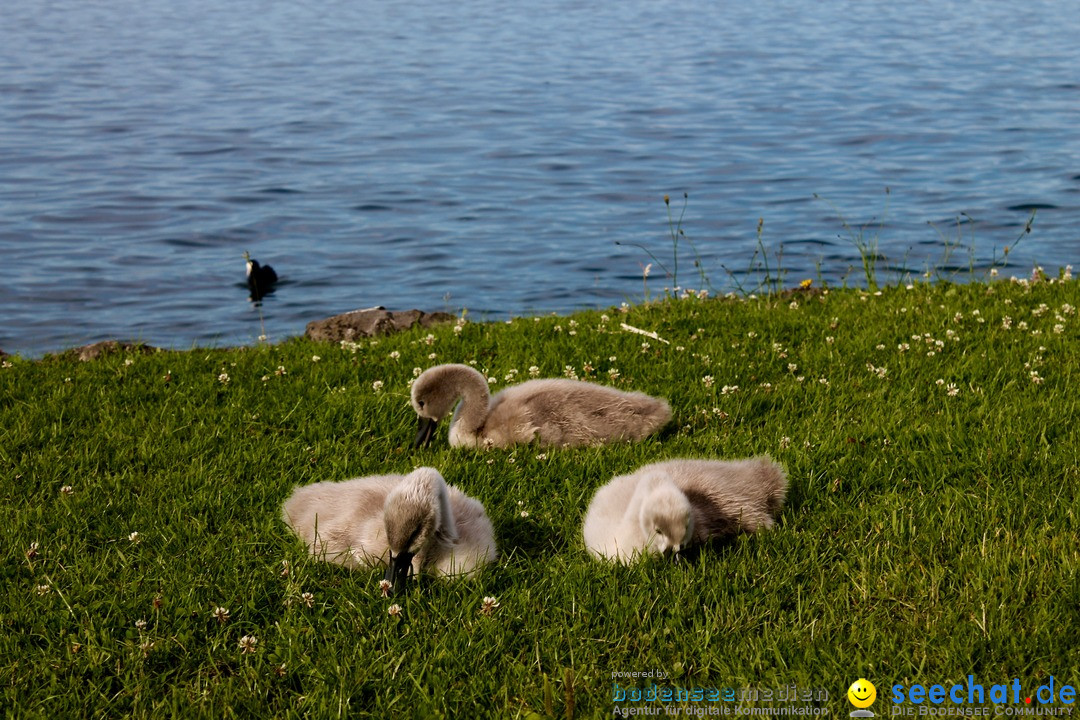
pixel 473 410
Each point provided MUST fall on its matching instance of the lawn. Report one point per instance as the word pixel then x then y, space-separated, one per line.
pixel 930 533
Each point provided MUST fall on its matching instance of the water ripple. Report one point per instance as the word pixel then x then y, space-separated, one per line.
pixel 427 150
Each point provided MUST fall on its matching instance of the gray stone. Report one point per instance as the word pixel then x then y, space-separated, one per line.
pixel 107 347
pixel 371 322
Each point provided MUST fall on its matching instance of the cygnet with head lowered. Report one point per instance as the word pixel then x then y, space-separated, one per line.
pixel 553 411
pixel 409 523
pixel 668 506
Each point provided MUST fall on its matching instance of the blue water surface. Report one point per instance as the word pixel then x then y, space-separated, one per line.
pixel 489 155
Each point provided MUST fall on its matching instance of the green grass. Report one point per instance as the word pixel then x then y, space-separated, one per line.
pixel 926 537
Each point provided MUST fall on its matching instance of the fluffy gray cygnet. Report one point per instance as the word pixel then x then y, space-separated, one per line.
pixel 413 522
pixel 552 411
pixel 670 505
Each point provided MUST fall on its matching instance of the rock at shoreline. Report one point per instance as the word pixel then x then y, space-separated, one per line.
pixel 107 347
pixel 371 322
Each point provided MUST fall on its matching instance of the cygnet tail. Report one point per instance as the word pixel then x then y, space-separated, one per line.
pixel 774 483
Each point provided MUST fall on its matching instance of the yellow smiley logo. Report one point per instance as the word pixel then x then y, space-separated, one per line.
pixel 862 693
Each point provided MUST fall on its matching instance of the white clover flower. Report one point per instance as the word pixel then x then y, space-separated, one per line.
pixel 534 372
pixel 1067 275
pixel 879 347
pixel 248 643
pixel 394 610
pixel 223 378
pixel 993 272
pixel 128 362
pixel 140 624
pixel 1059 328
pixel 308 599
pixel 708 381
pixel 613 373
pixel 823 381
pixel 830 339
pixel 416 372
pixel 377 385
pixel 793 305
pixel 524 513
pixel 1006 322
pixel 32 551
pixel 394 354
pixel 43 589
pixel 785 442
pixel 792 367
pixel 939 382
pixel 384 587
pixel 729 389
pixel 489 606
pixel 135 538
pixel 221 615
pixel 67 490
pixel 280 371
pixel 951 390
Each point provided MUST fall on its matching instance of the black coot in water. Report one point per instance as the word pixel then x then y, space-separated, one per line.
pixel 260 278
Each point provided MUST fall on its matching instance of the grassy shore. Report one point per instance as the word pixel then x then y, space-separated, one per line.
pixel 931 530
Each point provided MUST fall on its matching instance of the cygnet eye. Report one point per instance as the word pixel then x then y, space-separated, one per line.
pixel 420 403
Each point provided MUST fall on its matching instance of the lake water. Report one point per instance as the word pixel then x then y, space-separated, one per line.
pixel 485 156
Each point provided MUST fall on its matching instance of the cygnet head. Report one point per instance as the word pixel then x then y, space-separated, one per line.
pixel 435 393
pixel 666 519
pixel 418 517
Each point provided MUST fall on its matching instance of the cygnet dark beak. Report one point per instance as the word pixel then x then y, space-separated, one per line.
pixel 425 432
pixel 397 573
pixel 673 553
